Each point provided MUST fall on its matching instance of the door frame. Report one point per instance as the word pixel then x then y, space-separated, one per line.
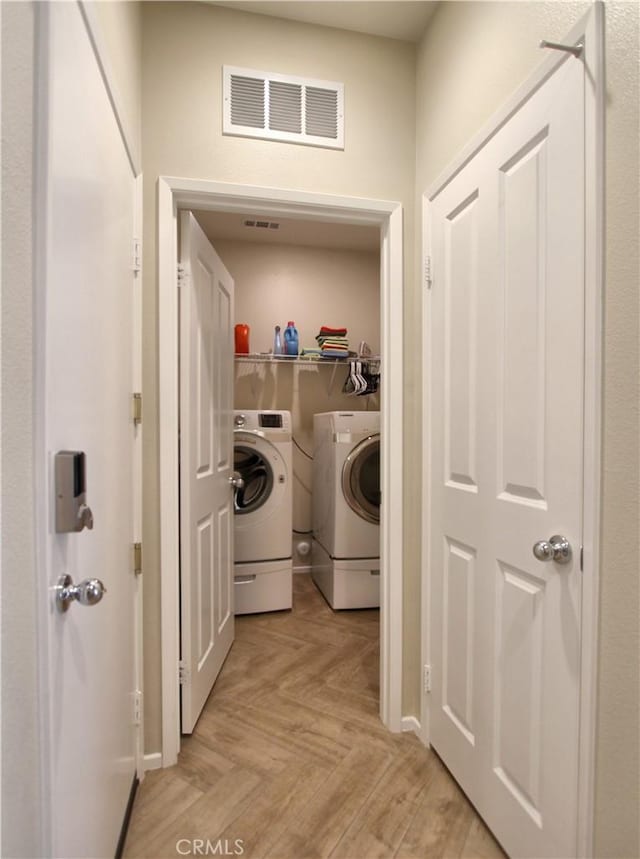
pixel 590 32
pixel 181 193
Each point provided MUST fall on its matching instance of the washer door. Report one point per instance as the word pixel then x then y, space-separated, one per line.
pixel 361 479
pixel 263 471
pixel 257 474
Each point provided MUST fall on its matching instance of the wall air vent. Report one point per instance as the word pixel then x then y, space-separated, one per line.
pixel 283 107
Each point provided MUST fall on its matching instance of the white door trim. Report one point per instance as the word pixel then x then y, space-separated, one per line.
pixel 590 32
pixel 137 476
pixel 174 193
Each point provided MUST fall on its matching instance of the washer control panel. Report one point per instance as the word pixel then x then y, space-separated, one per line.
pixel 272 420
pixel 268 420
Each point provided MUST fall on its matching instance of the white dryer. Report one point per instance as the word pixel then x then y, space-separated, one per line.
pixel 346 508
pixel 263 508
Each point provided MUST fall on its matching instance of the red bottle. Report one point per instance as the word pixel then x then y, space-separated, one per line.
pixel 242 339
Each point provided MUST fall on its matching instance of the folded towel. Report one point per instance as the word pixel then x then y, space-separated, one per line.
pixel 334 353
pixel 337 341
pixel 333 332
pixel 342 350
pixel 335 344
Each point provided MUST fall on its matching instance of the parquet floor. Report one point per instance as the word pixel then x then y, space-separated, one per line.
pixel 290 761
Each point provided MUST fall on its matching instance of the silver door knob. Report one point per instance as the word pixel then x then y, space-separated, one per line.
pixel 88 592
pixel 557 549
pixel 236 480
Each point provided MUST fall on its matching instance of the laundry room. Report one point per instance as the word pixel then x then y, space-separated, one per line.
pixel 323 280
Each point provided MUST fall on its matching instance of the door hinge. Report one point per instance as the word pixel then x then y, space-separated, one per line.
pixel 183 673
pixel 426 678
pixel 137 707
pixel 137 256
pixel 427 272
pixel 581 559
pixel 137 408
pixel 182 275
pixel 137 559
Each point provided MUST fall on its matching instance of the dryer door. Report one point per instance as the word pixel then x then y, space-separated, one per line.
pixel 361 479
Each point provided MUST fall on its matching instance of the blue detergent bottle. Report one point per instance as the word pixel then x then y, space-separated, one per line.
pixel 291 339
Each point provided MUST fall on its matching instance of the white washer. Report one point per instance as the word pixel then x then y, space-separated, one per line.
pixel 263 511
pixel 346 508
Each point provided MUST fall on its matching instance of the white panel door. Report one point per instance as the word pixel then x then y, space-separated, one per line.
pixel 507 363
pixel 206 466
pixel 87 326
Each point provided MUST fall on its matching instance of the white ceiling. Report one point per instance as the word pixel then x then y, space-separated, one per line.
pixel 395 19
pixel 224 226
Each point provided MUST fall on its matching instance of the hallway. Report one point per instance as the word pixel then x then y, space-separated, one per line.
pixel 290 759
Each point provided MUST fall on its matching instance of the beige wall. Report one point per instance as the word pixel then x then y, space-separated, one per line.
pixel 121 28
pixel 470 61
pixel 313 287
pixel 20 730
pixel 184 48
pixel 618 747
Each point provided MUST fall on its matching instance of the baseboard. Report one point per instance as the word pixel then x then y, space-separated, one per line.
pixel 410 723
pixel 153 761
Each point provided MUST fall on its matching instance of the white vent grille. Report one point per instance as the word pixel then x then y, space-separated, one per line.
pixel 247 101
pixel 256 223
pixel 322 112
pixel 283 107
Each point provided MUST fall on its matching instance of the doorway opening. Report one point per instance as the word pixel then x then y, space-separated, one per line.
pixel 180 194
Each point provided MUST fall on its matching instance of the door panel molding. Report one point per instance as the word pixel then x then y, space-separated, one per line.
pixel 181 193
pixel 590 31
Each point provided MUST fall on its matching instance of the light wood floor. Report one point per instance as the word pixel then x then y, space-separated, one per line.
pixel 289 755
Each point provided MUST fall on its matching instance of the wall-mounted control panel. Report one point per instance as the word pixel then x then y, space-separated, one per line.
pixel 72 512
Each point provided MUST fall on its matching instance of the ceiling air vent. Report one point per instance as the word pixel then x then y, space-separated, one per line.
pixel 283 107
pixel 259 224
